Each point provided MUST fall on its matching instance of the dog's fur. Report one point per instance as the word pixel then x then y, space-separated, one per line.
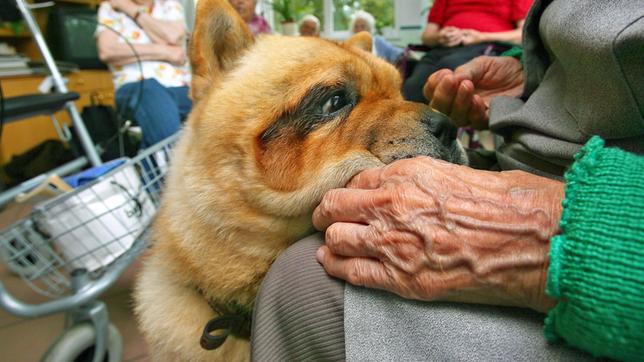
pixel 256 156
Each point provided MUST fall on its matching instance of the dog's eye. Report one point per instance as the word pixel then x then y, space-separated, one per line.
pixel 335 103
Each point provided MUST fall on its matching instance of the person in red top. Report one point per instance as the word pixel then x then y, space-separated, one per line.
pixel 460 30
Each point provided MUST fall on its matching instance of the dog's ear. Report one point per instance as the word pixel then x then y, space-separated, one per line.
pixel 220 36
pixel 361 40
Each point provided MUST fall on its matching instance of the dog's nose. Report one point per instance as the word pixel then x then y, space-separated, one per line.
pixel 440 126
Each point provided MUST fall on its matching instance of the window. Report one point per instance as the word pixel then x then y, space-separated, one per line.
pixel 394 18
pixel 306 7
pixel 300 7
pixel 382 11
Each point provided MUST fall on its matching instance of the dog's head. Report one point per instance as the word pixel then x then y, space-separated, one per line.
pixel 278 121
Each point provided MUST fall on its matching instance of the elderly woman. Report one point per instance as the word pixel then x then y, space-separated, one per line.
pixel 310 26
pixel 156 31
pixel 363 21
pixel 246 9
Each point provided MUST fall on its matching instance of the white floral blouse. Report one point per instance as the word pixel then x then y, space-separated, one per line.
pixel 165 73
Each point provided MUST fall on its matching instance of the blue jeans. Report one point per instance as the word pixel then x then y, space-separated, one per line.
pixel 160 111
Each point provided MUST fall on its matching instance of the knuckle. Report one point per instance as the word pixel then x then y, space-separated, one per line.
pixel 327 203
pixel 332 236
pixel 356 275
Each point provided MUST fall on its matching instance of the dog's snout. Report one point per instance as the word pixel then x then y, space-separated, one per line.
pixel 440 126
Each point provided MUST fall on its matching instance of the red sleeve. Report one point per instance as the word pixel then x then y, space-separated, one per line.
pixel 437 13
pixel 520 9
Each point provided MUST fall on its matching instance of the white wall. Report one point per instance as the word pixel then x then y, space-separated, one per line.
pixel 410 21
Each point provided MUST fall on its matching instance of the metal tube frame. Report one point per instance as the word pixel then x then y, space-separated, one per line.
pixel 82 305
pixel 59 83
pixel 83 296
pixel 95 312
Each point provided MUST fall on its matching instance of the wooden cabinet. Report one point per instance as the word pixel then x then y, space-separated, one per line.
pixel 19 136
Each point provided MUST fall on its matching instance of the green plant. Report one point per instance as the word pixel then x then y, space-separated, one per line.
pixel 285 9
pixel 16 26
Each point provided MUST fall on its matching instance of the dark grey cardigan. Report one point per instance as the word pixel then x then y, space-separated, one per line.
pixel 584 68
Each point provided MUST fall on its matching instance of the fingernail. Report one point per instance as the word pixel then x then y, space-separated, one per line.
pixel 319 255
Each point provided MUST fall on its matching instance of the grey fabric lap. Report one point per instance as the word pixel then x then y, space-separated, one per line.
pixel 301 314
pixel 299 310
pixel 421 331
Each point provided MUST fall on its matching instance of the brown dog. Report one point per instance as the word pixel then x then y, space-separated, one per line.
pixel 276 123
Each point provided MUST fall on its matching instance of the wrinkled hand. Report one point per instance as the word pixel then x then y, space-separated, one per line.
pixel 429 230
pixel 175 55
pixel 464 94
pixel 449 36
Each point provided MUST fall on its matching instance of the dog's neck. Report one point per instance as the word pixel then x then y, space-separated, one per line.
pixel 227 263
pixel 232 317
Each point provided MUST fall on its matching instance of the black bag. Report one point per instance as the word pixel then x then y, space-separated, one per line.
pixel 37 160
pixel 103 125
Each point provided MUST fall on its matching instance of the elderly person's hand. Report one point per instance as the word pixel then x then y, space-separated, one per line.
pixel 175 55
pixel 471 37
pixel 450 36
pixel 464 94
pixel 429 230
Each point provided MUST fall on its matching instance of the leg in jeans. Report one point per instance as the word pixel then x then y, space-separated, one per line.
pixel 157 112
pixel 434 60
pixel 183 101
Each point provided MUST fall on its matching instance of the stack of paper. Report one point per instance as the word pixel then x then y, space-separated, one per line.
pixel 14 64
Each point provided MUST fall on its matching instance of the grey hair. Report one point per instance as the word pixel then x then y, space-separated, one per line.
pixel 312 18
pixel 361 14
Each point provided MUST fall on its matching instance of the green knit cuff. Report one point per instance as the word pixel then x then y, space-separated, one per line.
pixel 514 52
pixel 597 263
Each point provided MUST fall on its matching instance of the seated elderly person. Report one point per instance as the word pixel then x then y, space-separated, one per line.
pixel 256 23
pixel 363 21
pixel 571 246
pixel 156 93
pixel 460 30
pixel 310 26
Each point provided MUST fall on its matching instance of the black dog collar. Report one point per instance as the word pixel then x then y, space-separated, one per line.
pixel 232 318
pixel 218 329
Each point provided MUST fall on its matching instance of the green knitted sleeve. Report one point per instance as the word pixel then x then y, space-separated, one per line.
pixel 514 52
pixel 597 262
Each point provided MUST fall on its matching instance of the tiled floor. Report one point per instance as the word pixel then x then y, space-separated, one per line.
pixel 28 339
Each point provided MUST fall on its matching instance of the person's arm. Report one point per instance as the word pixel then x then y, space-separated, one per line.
pixel 471 36
pixel 434 36
pixel 113 52
pixel 430 35
pixel 597 262
pixel 162 31
pixel 170 32
pixel 386 50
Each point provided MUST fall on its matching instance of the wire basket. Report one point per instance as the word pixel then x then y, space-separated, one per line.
pixel 91 227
